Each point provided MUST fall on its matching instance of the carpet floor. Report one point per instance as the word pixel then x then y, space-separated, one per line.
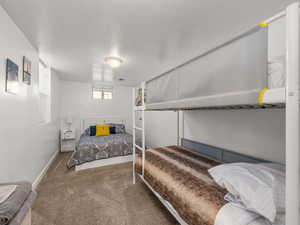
pixel 100 196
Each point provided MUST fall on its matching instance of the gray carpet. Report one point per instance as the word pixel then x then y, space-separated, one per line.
pixel 100 196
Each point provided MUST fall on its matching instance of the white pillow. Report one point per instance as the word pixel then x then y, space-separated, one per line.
pixel 277 72
pixel 278 172
pixel 251 185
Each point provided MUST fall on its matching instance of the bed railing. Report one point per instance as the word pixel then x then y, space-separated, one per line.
pixel 238 65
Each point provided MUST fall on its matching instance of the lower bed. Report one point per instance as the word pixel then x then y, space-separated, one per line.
pixel 180 177
pixel 91 148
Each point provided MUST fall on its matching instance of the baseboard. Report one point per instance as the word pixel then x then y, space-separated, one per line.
pixel 44 171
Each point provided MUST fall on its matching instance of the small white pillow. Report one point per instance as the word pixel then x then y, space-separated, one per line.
pixel 250 185
pixel 278 173
pixel 277 72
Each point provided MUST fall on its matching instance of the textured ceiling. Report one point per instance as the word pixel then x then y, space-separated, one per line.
pixel 74 36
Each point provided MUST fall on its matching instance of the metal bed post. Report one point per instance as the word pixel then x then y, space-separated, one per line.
pixel 292 115
pixel 180 126
pixel 133 134
pixel 143 128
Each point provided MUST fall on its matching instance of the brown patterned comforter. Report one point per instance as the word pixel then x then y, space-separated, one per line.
pixel 181 177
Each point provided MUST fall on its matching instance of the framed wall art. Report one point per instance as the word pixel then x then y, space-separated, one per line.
pixel 26 71
pixel 12 77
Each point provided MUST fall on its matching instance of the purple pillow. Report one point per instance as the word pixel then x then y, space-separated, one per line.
pixel 112 129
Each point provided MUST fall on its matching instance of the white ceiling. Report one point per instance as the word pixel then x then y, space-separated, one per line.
pixel 151 36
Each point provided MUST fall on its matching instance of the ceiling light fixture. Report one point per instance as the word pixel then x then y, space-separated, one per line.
pixel 113 62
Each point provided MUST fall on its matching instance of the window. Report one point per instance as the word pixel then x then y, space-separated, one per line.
pixel 105 93
pixel 97 93
pixel 45 92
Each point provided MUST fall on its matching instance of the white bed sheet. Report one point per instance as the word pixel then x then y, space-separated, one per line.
pixel 231 214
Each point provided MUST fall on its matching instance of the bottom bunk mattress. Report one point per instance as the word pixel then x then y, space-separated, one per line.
pixel 181 177
pixel 92 148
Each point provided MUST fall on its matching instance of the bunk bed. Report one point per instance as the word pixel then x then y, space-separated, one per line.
pixel 201 84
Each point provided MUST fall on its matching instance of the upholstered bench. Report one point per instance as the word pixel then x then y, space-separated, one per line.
pixel 16 209
pixel 23 217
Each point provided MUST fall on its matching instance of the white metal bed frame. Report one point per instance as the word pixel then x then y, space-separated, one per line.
pixel 292 15
pixel 85 123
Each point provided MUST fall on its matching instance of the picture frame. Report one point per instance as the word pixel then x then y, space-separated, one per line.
pixel 12 77
pixel 26 71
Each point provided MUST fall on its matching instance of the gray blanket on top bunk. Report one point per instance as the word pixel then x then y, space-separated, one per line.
pixel 11 206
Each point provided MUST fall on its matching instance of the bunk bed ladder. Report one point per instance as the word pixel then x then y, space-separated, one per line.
pixel 141 110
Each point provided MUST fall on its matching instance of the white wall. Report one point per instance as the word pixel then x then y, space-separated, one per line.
pixel 276 38
pixel 259 133
pixel 26 145
pixel 76 100
pixel 161 128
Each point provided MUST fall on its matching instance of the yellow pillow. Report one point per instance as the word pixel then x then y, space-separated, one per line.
pixel 102 130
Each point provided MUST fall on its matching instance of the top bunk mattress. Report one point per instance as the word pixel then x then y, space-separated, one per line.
pixel 233 99
pixel 244 99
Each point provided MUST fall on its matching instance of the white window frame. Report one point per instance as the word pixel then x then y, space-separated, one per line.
pixel 102 90
pixel 44 88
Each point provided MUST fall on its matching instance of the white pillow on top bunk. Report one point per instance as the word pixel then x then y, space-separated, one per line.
pixel 277 72
pixel 256 187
